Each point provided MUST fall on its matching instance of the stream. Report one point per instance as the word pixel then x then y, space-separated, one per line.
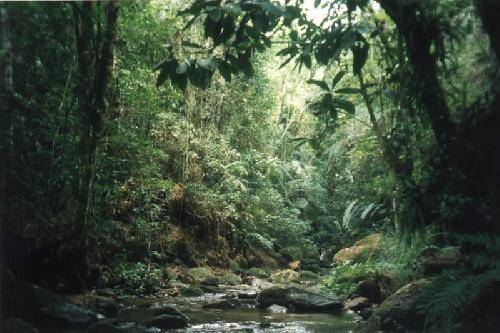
pixel 242 316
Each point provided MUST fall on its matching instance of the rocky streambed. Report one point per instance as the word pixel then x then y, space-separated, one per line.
pixel 255 306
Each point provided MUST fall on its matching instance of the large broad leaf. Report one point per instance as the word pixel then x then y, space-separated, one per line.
pixel 322 84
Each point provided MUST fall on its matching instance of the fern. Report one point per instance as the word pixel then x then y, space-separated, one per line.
pixel 450 293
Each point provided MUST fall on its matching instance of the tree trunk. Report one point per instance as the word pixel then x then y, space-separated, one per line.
pixel 95 58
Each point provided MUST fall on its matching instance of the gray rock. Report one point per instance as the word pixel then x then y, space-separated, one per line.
pixel 300 300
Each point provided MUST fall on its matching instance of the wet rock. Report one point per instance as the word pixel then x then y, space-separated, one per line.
pixel 47 308
pixel 221 304
pixel 300 300
pixel 247 295
pixel 15 325
pixel 360 251
pixel 191 291
pixel 398 310
pixel 259 272
pixel 167 321
pixel 167 309
pixel 230 279
pixel 285 277
pixel 357 303
pixel 277 309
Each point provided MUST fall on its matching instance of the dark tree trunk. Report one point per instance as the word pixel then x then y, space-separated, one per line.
pixel 95 58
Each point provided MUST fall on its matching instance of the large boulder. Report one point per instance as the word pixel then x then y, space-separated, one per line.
pixel 300 300
pixel 361 251
pixel 45 308
pixel 398 312
pixel 199 275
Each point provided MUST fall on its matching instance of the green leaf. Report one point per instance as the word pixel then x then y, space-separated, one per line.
pixel 232 9
pixel 306 60
pixel 316 3
pixel 337 78
pixel 322 84
pixel 292 50
pixel 348 91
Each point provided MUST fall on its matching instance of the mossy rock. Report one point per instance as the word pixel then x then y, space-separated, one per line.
pixel 191 291
pixel 262 259
pixel 230 279
pixel 308 276
pixel 259 272
pixel 360 251
pixel 198 275
pixel 398 311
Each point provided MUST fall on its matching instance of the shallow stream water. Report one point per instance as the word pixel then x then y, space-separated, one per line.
pixel 244 318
